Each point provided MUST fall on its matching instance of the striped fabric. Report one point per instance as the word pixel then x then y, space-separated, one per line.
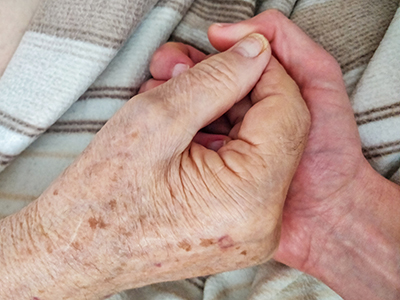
pixel 80 61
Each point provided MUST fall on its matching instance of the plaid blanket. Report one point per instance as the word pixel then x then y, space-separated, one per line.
pixel 80 61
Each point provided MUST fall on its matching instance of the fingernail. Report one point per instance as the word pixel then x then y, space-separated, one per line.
pixel 216 145
pixel 179 69
pixel 223 24
pixel 251 46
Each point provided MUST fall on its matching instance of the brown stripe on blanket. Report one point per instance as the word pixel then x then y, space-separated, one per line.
pixel 17 125
pixel 195 283
pixel 111 88
pixel 377 114
pixel 378 110
pixel 98 38
pixel 5 159
pixel 104 96
pixel 350 30
pixel 77 126
pixel 193 28
pixel 105 23
pixel 220 3
pixel 226 12
pixel 121 93
pixel 379 117
pixel 224 16
pixel 243 9
pixel 382 150
pixel 181 6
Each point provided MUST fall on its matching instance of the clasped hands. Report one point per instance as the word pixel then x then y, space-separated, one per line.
pixel 219 164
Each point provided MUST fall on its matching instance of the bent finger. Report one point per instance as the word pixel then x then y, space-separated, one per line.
pixel 204 93
pixel 279 121
pixel 171 59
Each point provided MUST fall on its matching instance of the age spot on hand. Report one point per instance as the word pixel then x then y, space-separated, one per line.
pixel 225 242
pixel 113 204
pixel 185 246
pixel 93 222
pixel 206 242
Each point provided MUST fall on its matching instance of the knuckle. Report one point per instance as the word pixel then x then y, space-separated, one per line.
pixel 162 52
pixel 276 83
pixel 275 14
pixel 272 14
pixel 294 122
pixel 298 132
pixel 216 74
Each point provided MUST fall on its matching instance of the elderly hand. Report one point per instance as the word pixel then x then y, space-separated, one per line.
pixel 340 220
pixel 152 200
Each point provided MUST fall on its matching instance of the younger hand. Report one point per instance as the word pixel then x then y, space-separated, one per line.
pixel 340 215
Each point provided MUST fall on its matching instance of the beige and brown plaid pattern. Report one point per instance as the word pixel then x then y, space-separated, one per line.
pixel 80 61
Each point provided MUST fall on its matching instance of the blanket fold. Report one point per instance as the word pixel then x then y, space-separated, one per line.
pixel 80 61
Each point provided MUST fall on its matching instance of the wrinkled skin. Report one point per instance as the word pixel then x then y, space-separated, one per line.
pixel 149 200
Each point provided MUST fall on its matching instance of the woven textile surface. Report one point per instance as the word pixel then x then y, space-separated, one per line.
pixel 80 61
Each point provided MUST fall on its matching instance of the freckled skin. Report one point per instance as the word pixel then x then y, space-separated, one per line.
pixel 94 223
pixel 113 204
pixel 185 246
pixel 207 242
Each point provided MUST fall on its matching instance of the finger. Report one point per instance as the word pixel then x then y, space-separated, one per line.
pixel 204 93
pixel 278 121
pixel 314 70
pixel 150 84
pixel 171 59
pixel 211 141
pixel 307 62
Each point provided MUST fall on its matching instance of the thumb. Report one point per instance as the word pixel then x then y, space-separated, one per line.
pixel 202 94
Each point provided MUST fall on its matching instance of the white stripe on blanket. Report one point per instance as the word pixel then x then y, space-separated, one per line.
pixel 379 88
pixel 41 65
pixel 307 3
pixel 46 67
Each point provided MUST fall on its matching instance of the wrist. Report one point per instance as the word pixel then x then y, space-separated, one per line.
pixel 42 254
pixel 358 253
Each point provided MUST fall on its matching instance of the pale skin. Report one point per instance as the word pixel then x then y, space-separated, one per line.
pixel 150 200
pixel 340 220
pixel 15 16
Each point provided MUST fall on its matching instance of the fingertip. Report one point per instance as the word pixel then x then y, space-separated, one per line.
pixel 166 58
pixel 224 35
